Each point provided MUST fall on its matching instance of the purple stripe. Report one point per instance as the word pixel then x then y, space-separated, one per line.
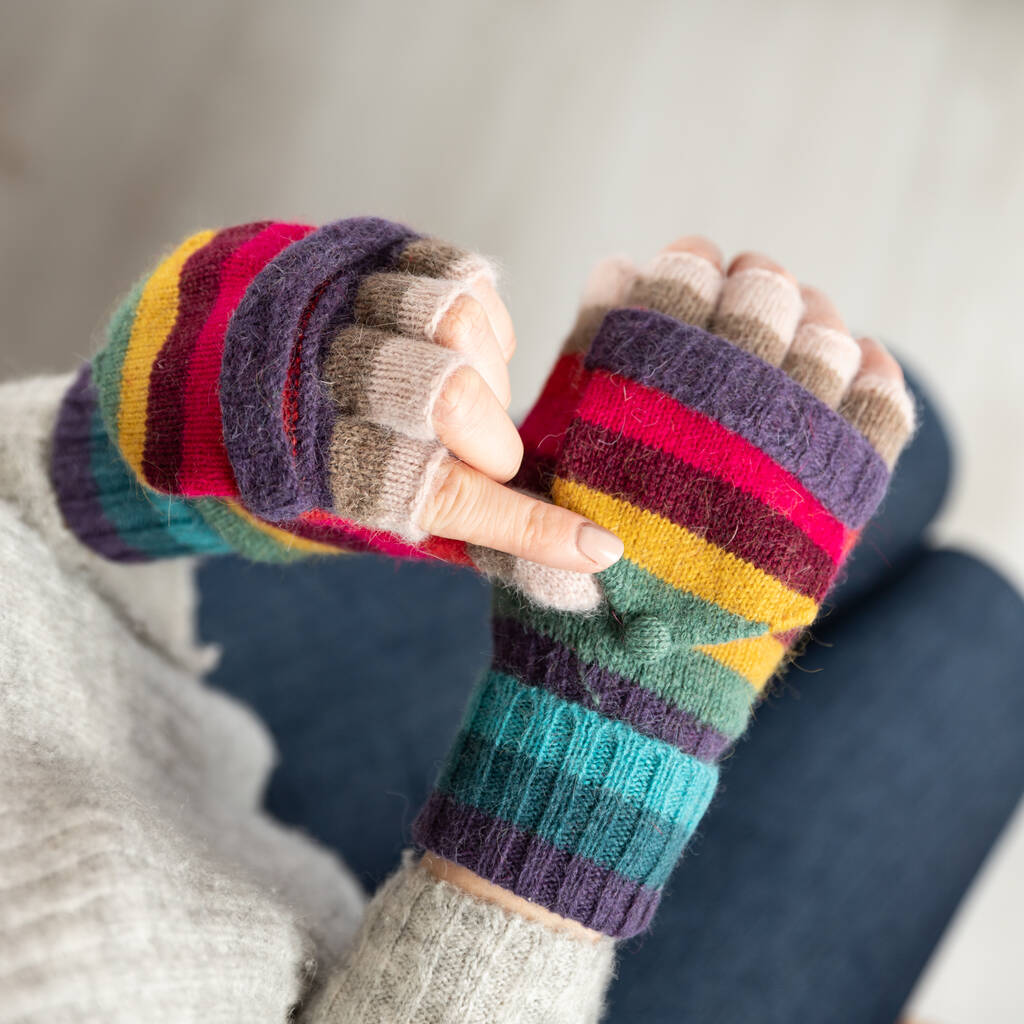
pixel 540 661
pixel 566 884
pixel 751 398
pixel 71 472
pixel 321 274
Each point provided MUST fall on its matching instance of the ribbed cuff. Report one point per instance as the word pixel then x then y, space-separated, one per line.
pixel 430 953
pixel 565 808
pixel 102 501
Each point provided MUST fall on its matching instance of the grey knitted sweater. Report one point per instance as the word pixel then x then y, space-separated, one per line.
pixel 139 878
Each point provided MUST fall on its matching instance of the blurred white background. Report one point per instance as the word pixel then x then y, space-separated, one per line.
pixel 876 149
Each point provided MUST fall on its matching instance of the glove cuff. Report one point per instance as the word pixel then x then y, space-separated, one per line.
pixel 564 807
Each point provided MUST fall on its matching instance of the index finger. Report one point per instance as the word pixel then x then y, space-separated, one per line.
pixel 498 314
pixel 467 505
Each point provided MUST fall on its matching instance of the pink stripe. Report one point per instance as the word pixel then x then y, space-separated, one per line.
pixel 623 406
pixel 331 529
pixel 342 533
pixel 205 469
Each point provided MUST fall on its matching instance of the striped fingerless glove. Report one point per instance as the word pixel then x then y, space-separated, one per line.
pixel 267 389
pixel 589 752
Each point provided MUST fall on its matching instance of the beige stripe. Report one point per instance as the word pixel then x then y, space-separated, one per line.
pixel 834 348
pixel 558 588
pixel 405 382
pixel 823 360
pixel 380 478
pixel 407 304
pixel 430 257
pixel 606 288
pixel 588 322
pixel 816 376
pixel 356 462
pixel 348 364
pixel 883 411
pixel 392 380
pixel 551 588
pixel 680 284
pixel 756 337
pixel 759 310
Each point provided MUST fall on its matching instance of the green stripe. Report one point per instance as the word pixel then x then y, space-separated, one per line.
pixel 245 538
pixel 587 785
pixel 711 692
pixel 632 590
pixel 108 363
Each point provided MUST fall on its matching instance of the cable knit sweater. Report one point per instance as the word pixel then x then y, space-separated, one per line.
pixel 139 878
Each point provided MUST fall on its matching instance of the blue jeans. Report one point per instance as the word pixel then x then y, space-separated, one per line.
pixel 849 822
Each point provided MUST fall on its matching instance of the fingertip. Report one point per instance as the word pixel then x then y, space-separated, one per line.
pixel 598 546
pixel 876 359
pixel 752 260
pixel 698 245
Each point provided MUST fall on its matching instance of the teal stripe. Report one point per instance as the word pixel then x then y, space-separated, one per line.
pixel 108 363
pixel 244 538
pixel 157 525
pixel 711 692
pixel 589 786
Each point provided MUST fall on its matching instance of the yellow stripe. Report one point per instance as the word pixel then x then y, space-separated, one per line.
pixel 154 319
pixel 283 537
pixel 688 562
pixel 755 658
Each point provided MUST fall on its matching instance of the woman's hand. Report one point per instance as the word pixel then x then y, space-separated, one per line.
pixel 289 391
pixel 468 502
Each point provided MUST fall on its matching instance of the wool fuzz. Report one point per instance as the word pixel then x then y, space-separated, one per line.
pixel 268 389
pixel 589 752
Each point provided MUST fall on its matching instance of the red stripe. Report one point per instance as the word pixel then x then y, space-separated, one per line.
pixel 702 502
pixel 328 528
pixel 543 431
pixel 205 468
pixel 624 407
pixel 198 287
pixel 547 423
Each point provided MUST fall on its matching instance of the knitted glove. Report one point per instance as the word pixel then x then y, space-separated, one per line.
pixel 588 753
pixel 267 389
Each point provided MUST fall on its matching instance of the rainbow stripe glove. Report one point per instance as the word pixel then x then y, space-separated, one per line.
pixel 267 389
pixel 588 753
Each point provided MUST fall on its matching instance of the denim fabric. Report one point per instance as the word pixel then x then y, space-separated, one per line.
pixel 849 822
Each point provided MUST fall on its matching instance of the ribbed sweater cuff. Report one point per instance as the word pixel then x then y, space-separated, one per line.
pixel 430 953
pixel 564 807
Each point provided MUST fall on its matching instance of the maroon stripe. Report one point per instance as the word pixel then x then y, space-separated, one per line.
pixel 701 502
pixel 198 288
pixel 535 474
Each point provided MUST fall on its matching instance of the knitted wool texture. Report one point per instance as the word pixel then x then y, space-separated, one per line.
pixel 484 965
pixel 588 753
pixel 267 389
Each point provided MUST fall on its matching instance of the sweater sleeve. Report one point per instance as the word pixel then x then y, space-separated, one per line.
pixel 156 598
pixel 430 953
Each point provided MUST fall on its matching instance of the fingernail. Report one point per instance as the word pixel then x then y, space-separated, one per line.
pixel 600 546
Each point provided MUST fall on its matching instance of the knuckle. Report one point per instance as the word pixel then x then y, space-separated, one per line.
pixel 540 528
pixel 453 500
pixel 463 400
pixel 465 324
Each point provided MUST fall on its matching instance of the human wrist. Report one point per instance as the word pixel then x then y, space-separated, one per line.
pixel 479 887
